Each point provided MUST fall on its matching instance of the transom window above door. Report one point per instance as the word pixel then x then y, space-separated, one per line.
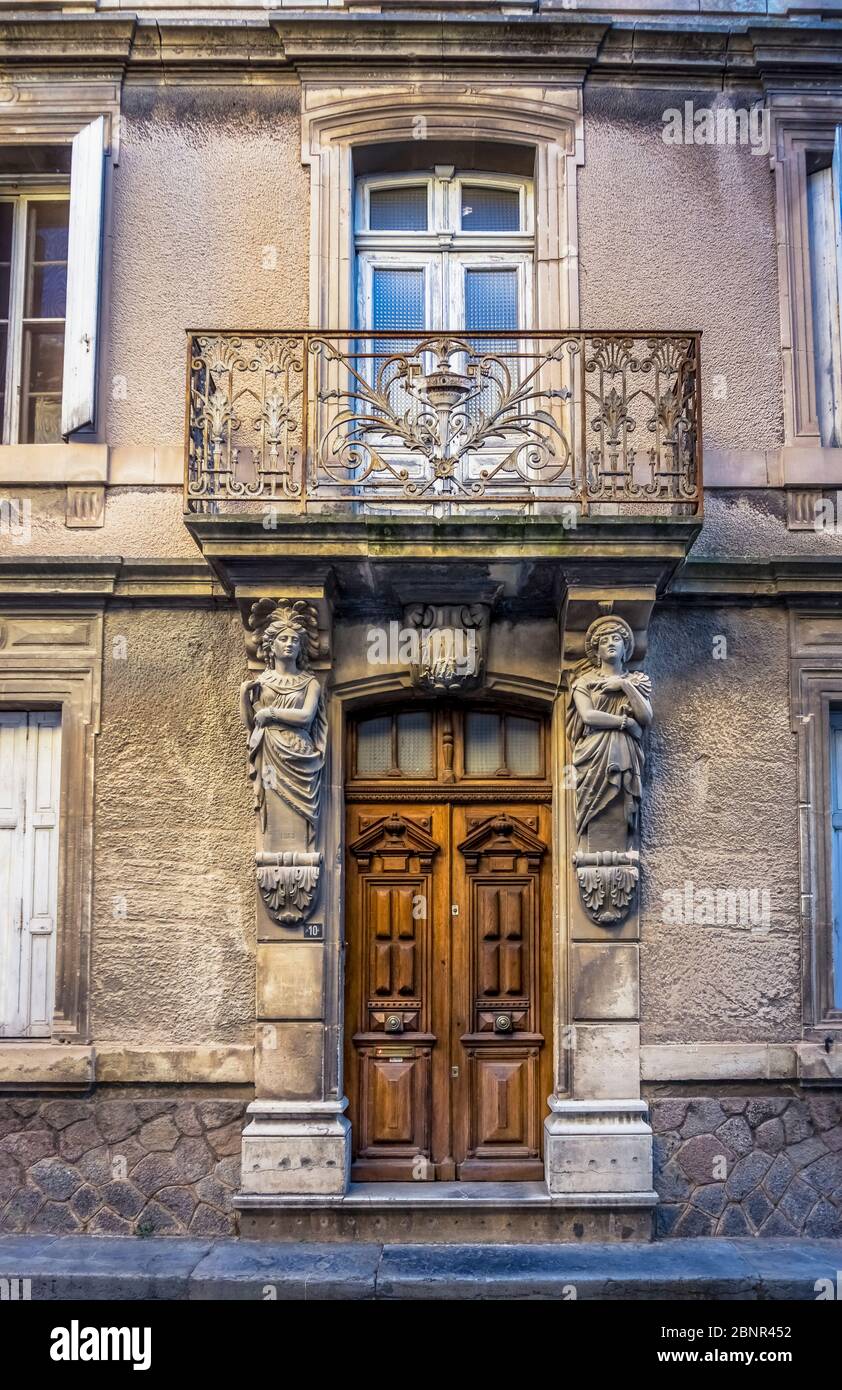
pixel 444 250
pixel 448 745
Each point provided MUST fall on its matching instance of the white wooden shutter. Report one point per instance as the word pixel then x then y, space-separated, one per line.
pixel 84 256
pixel 13 733
pixel 30 769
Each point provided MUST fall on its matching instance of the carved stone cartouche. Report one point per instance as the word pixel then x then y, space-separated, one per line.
pixel 452 645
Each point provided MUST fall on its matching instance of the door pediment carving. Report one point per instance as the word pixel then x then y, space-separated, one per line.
pixel 394 838
pixel 504 838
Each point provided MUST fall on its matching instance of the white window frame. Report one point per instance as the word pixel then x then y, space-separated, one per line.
pixel 86 191
pixel 22 196
pixel 444 251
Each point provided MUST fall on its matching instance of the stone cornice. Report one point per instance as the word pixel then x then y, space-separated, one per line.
pixel 692 46
pixel 71 579
pixel 791 579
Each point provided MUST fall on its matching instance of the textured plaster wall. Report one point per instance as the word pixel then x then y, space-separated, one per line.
pixel 684 237
pixel 139 523
pixel 173 922
pixel 720 812
pixel 210 229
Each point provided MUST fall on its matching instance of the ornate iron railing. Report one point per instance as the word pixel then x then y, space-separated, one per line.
pixel 444 421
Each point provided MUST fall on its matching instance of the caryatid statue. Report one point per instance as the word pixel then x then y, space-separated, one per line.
pixel 609 710
pixel 284 711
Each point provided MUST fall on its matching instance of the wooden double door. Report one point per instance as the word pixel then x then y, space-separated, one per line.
pixel 449 987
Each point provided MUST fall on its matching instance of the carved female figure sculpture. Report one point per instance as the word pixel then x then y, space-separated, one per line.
pixel 284 712
pixel 609 710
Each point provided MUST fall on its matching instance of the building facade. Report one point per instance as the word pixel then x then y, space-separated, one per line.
pixel 420 628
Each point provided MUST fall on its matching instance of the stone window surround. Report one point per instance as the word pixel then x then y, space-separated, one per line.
pixel 52 660
pixel 802 124
pixel 544 115
pixel 816 685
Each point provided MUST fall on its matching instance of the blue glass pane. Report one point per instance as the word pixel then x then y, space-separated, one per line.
pixel 491 299
pixel 398 209
pixel 398 299
pixel 490 209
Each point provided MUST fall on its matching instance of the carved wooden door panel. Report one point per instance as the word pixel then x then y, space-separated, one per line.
pixel 397 892
pixel 502 974
pixel 448 990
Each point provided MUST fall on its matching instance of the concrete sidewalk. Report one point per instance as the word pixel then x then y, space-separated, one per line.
pixel 91 1267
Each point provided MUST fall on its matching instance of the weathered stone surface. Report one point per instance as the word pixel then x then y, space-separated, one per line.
pixel 116 1119
pixel 736 1134
pixel 123 1198
pixel 825 1220
pixel 705 1158
pixel 805 1152
pixel 179 1201
pixel 58 1114
pixel 207 1221
pixel 29 1145
pixel 693 1222
pixel 55 1178
pixel 153 1173
pixel 759 1110
pixel 703 1116
pixel 668 1114
pixel 19 1212
pixel 156 1220
pixel 55 1218
pixel 106 1223
pixel 79 1138
pixel 160 1135
pixel 226 1142
pixel 85 1201
pixel 711 1199
pixel 733 1222
pixel 825 1175
pixel 778 1178
pixel 769 1136
pixel 759 1179
pixel 797 1124
pixel 797 1203
pixel 757 1207
pixel 745 1175
pixel 672 1183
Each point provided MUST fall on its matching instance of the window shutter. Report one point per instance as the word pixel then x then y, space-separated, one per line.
pixel 83 278
pixel 836 832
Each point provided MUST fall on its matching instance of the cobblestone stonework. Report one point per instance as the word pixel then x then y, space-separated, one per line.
pixel 119 1167
pixel 754 1166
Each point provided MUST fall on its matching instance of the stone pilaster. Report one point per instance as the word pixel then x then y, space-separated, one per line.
pixel 296 1139
pixel 598 1139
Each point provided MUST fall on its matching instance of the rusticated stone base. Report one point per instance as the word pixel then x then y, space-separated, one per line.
pixel 742 1166
pixel 119 1167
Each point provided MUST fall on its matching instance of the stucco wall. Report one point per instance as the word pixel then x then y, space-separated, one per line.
pixel 210 230
pixel 173 914
pixel 720 812
pixel 139 523
pixel 684 237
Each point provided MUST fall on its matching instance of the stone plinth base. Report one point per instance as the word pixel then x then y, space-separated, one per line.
pixel 458 1213
pixel 598 1146
pixel 295 1147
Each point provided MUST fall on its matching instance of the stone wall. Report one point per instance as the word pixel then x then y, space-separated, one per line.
pixel 119 1167
pixel 742 1166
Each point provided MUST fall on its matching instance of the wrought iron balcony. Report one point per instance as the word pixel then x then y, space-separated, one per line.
pixel 444 423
